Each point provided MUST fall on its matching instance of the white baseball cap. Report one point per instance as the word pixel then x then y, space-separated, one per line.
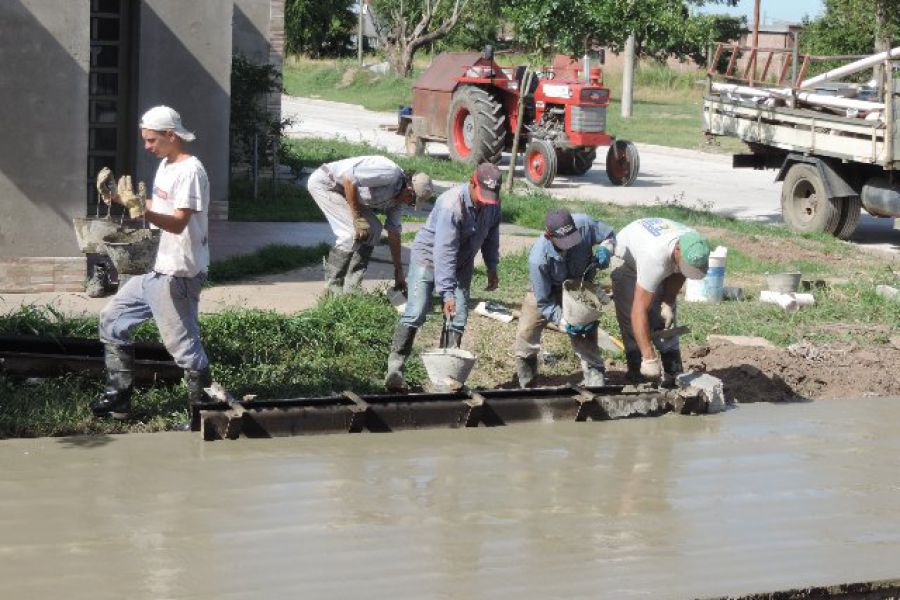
pixel 163 118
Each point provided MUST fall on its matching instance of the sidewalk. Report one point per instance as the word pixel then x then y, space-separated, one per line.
pixel 284 292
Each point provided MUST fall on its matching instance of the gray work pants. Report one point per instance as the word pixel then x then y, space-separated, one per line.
pixel 170 301
pixel 531 325
pixel 624 279
pixel 329 196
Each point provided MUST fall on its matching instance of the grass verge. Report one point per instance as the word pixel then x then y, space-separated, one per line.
pixel 275 258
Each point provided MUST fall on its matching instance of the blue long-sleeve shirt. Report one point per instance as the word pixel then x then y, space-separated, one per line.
pixel 548 269
pixel 451 237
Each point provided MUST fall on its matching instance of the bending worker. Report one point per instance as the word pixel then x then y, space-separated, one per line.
pixel 349 192
pixel 566 250
pixel 170 293
pixel 464 220
pixel 653 257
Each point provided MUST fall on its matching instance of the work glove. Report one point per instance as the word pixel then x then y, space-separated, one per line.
pixel 106 184
pixel 580 330
pixel 360 229
pixel 651 368
pixel 450 307
pixel 602 257
pixel 667 313
pixel 130 200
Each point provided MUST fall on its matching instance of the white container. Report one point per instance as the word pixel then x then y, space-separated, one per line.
pixel 448 368
pixel 712 287
pixel 580 303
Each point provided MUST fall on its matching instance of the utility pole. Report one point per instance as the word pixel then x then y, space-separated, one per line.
pixel 755 41
pixel 628 78
pixel 359 34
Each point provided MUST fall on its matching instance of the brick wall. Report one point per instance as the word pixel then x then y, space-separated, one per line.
pixel 276 50
pixel 42 274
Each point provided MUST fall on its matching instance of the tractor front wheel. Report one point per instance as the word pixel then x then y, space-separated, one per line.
pixel 476 126
pixel 540 162
pixel 622 163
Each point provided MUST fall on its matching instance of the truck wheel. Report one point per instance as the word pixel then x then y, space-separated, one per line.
pixel 577 161
pixel 540 162
pixel 476 126
pixel 851 211
pixel 805 206
pixel 415 146
pixel 622 163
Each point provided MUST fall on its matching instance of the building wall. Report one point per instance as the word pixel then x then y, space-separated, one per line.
pixel 258 35
pixel 44 61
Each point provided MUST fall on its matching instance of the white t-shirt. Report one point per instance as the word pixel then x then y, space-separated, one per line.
pixel 183 184
pixel 646 246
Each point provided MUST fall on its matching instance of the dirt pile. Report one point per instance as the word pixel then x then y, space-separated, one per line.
pixel 801 371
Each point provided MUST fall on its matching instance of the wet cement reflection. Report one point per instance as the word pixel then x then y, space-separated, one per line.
pixel 760 498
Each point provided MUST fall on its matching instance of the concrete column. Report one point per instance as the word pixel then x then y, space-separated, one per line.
pixel 628 78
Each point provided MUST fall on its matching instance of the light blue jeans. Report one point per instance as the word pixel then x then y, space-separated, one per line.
pixel 420 282
pixel 170 301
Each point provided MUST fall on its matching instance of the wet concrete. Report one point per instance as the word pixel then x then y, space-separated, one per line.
pixel 760 498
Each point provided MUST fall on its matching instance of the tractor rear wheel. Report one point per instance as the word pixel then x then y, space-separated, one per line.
pixel 476 126
pixel 622 163
pixel 540 162
pixel 576 161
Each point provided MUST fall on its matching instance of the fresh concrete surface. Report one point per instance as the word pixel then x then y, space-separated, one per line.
pixel 759 498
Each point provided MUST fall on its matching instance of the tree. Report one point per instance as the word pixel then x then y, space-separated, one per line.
pixel 850 27
pixel 319 28
pixel 405 26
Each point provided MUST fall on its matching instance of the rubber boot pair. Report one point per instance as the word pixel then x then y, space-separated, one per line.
pixel 401 348
pixel 344 271
pixel 526 370
pixel 672 367
pixel 356 269
pixel 115 401
pixel 196 381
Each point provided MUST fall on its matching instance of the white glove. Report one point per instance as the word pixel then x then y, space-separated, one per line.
pixel 106 184
pixel 668 315
pixel 651 368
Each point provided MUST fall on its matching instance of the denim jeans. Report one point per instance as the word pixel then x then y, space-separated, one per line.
pixel 420 282
pixel 170 301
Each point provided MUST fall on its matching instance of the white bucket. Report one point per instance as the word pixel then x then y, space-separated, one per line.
pixel 580 303
pixel 448 368
pixel 712 287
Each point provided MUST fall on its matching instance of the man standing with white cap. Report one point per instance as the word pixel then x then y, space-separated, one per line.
pixel 349 192
pixel 465 220
pixel 170 293
pixel 653 258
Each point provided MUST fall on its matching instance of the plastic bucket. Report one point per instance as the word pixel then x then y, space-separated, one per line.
pixel 132 251
pixel 90 231
pixel 783 283
pixel 580 303
pixel 712 287
pixel 448 368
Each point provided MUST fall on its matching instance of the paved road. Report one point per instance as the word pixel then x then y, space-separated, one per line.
pixel 692 178
pixel 760 498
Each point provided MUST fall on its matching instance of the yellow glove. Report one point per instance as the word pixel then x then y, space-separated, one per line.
pixel 361 229
pixel 129 199
pixel 106 184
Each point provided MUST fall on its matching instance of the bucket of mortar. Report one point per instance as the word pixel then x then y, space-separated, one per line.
pixel 133 251
pixel 90 231
pixel 580 303
pixel 712 287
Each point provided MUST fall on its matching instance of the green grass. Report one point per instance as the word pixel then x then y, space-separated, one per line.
pixel 281 201
pixel 275 258
pixel 344 81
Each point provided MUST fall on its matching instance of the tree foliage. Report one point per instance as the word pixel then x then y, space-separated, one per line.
pixel 661 27
pixel 849 27
pixel 318 28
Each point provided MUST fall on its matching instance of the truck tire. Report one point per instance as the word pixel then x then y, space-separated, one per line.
pixel 805 206
pixel 476 126
pixel 540 162
pixel 851 211
pixel 577 161
pixel 622 163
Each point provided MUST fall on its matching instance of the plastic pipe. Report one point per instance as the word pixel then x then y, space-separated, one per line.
pixel 788 302
pixel 851 68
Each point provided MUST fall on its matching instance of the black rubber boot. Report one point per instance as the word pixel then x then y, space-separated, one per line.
pixel 356 269
pixel 401 348
pixel 196 381
pixel 593 376
pixel 526 370
pixel 672 367
pixel 116 399
pixel 336 265
pixel 454 339
pixel 633 362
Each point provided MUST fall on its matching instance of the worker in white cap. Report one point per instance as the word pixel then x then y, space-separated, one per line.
pixel 349 192
pixel 653 259
pixel 170 292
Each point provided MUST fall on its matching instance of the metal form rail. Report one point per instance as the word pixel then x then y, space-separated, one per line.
pixel 352 413
pixel 48 356
pixel 870 590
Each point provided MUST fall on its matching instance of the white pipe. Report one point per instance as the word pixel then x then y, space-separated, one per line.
pixel 849 69
pixel 807 97
pixel 788 302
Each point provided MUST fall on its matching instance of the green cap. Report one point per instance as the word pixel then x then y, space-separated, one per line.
pixel 694 255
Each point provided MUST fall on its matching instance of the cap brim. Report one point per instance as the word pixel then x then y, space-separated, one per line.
pixel 690 271
pixel 185 135
pixel 487 196
pixel 569 241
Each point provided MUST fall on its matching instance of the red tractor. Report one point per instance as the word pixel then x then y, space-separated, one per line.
pixel 469 102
